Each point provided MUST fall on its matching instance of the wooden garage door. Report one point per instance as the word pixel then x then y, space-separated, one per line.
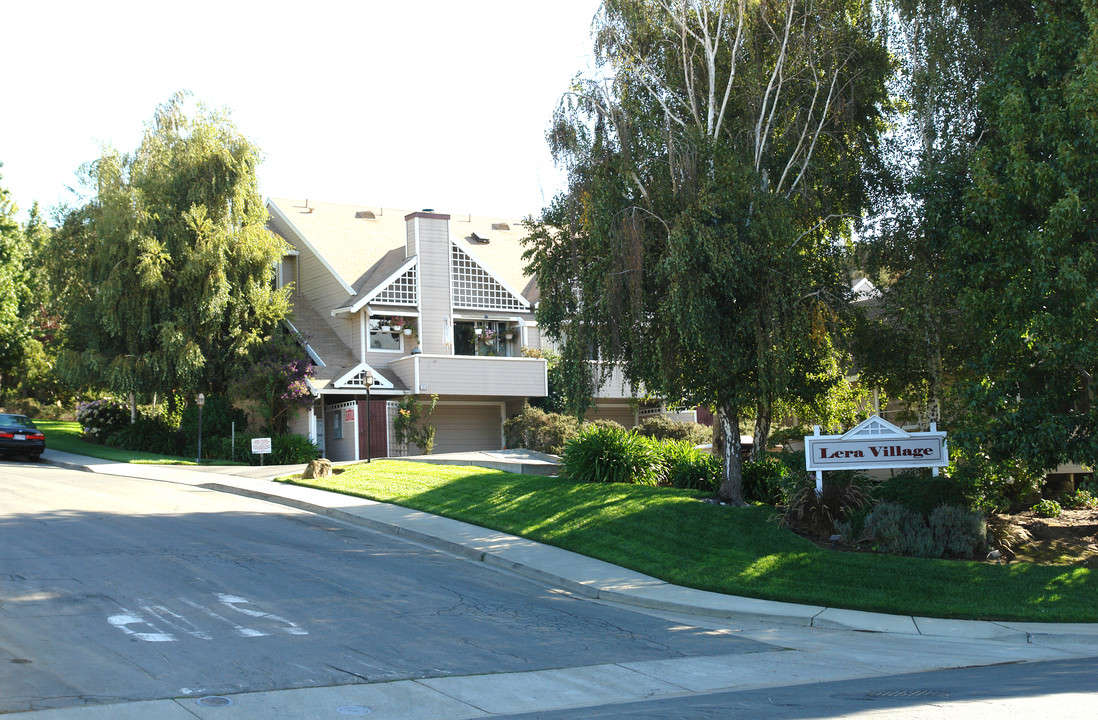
pixel 459 428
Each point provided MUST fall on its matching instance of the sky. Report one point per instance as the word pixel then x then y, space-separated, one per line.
pixel 401 103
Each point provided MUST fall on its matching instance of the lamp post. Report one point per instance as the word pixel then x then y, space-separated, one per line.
pixel 201 400
pixel 369 438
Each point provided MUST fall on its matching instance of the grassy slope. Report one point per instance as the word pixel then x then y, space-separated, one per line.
pixel 65 436
pixel 671 535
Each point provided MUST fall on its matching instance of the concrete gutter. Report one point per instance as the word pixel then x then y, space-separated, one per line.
pixel 566 570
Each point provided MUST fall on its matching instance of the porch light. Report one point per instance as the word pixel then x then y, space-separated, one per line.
pixel 369 438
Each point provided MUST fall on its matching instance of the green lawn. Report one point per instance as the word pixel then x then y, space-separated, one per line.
pixel 672 535
pixel 65 435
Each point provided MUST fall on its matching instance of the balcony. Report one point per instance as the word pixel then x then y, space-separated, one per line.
pixel 473 375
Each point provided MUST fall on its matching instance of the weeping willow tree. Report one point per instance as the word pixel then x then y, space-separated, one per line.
pixel 718 159
pixel 167 271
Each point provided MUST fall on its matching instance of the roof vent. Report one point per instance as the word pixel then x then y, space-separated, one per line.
pixel 478 239
pixel 365 214
pixel 500 226
pixel 427 210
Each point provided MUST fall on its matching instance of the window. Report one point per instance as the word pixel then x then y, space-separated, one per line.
pixel 486 337
pixel 383 336
pixel 337 425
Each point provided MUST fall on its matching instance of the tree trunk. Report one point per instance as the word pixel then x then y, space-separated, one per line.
pixel 763 414
pixel 133 409
pixel 731 490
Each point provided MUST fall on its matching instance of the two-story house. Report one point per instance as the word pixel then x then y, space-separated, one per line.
pixel 423 303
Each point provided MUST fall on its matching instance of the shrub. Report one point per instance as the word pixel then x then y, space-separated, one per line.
pixel 148 434
pixel 1081 499
pixel 218 417
pixel 101 418
pixel 762 480
pixel 899 530
pixel 538 430
pixel 603 423
pixel 224 448
pixel 960 532
pixel 1047 509
pixel 292 449
pixel 607 455
pixel 895 529
pixel 994 485
pixel 36 410
pixel 410 424
pixel 819 513
pixel 689 468
pixel 920 492
pixel 664 428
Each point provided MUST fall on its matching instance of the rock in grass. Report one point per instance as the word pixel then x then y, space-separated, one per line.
pixel 321 468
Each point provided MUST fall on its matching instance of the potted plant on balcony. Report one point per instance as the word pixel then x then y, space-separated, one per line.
pixel 486 339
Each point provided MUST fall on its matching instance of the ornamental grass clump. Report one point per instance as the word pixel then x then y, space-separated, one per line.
pixel 608 455
pixel 689 468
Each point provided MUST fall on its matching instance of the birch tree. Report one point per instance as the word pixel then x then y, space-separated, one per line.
pixel 718 159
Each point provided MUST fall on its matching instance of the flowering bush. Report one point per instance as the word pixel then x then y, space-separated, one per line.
pixel 410 424
pixel 101 418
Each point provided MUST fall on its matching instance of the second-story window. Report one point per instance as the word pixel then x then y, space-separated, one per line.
pixel 384 336
pixel 483 338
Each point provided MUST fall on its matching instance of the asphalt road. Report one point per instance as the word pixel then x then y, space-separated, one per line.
pixel 115 590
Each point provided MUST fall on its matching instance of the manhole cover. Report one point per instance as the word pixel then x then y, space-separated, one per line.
pixel 354 710
pixel 907 693
pixel 214 701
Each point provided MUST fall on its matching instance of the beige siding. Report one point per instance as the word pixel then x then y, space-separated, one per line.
pixel 298 422
pixel 317 284
pixel 434 282
pixel 615 385
pixel 461 428
pixel 621 414
pixel 533 338
pixel 338 449
pixel 473 375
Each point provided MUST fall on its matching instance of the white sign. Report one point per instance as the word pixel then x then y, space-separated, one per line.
pixel 876 443
pixel 261 446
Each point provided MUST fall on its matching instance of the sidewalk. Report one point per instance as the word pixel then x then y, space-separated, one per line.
pixel 808 644
pixel 559 568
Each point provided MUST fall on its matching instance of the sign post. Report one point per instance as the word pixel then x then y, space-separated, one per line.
pixel 261 447
pixel 874 443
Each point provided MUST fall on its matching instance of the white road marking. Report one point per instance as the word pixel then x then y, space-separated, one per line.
pixel 123 621
pixel 175 621
pixel 238 629
pixel 233 601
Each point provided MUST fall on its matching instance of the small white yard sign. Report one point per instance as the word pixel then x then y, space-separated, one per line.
pixel 261 446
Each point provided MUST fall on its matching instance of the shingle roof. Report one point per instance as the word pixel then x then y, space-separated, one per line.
pixel 364 250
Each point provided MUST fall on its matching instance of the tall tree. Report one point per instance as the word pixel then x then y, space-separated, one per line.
pixel 989 263
pixel 168 269
pixel 1029 247
pixel 946 50
pixel 14 295
pixel 716 169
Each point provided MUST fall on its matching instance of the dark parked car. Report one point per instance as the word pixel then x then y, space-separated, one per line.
pixel 19 436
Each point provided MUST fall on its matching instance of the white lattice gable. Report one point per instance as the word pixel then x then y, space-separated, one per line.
pixel 874 428
pixel 356 378
pixel 400 288
pixel 475 287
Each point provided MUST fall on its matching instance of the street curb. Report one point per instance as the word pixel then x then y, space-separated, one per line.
pixel 642 591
